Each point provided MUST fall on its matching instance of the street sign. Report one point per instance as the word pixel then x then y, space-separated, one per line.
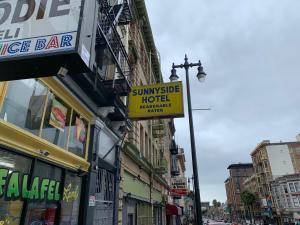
pixel 164 100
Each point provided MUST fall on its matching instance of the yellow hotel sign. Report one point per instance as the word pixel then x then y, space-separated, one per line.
pixel 156 101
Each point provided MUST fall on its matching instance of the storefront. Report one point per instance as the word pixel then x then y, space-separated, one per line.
pixel 103 179
pixel 44 139
pixel 158 214
pixel 137 211
pixel 173 214
pixel 137 207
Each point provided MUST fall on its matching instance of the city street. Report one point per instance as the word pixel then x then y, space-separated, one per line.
pixel 148 112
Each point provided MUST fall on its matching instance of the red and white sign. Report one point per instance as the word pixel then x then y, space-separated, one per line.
pixel 178 186
pixel 179 192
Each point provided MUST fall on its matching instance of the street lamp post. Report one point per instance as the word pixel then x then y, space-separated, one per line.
pixel 201 77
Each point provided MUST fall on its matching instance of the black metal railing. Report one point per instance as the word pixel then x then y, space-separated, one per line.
pixel 108 36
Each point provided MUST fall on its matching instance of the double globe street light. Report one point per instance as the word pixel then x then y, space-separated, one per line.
pixel 201 77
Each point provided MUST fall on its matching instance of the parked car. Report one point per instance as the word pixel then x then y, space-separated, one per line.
pixel 217 223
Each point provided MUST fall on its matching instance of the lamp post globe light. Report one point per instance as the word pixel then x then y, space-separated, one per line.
pixel 201 77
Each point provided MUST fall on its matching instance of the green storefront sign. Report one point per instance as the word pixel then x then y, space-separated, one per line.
pixel 15 186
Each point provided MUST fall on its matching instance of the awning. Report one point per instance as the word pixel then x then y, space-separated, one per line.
pixel 171 210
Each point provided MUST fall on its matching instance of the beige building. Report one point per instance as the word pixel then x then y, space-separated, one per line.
pixel 273 160
pixel 145 168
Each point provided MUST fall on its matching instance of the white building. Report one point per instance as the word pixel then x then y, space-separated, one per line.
pixel 286 197
pixel 280 160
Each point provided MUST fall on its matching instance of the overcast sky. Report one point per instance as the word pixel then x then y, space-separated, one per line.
pixel 250 51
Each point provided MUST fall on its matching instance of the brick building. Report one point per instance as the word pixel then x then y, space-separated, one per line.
pixel 235 185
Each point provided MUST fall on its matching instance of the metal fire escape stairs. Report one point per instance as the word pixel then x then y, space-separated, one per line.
pixel 159 134
pixel 109 82
pixel 112 14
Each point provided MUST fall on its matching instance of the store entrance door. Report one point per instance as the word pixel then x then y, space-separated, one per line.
pixel 104 209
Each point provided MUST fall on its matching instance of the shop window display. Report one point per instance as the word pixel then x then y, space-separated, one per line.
pixel 43 211
pixel 24 104
pixel 71 200
pixel 78 134
pixel 33 193
pixel 62 125
pixel 10 211
pixel 56 122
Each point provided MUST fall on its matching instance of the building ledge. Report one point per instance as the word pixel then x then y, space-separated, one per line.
pixel 27 143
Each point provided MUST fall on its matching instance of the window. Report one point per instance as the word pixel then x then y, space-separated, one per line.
pixel 289 202
pixel 29 103
pixel 152 154
pixel 40 211
pixel 43 212
pixel 105 145
pixel 144 216
pixel 150 150
pixel 292 187
pixel 237 184
pixel 142 139
pixel 285 189
pixel 266 164
pixel 10 211
pixel 146 146
pixel 282 190
pixel 24 104
pixel 56 122
pixel 297 150
pixel 130 219
pixel 296 201
pixel 78 134
pixel 297 186
pixel 285 203
pixel 71 200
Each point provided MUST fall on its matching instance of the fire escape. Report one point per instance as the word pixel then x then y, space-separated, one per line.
pixel 174 152
pixel 159 134
pixel 110 81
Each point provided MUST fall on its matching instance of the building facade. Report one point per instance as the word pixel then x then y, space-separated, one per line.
pixel 273 160
pixel 143 186
pixel 45 148
pixel 177 203
pixel 286 196
pixel 61 136
pixel 235 186
pixel 68 152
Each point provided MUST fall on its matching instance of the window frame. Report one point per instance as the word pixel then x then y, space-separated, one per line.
pixel 64 172
pixel 296 200
pixel 53 88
